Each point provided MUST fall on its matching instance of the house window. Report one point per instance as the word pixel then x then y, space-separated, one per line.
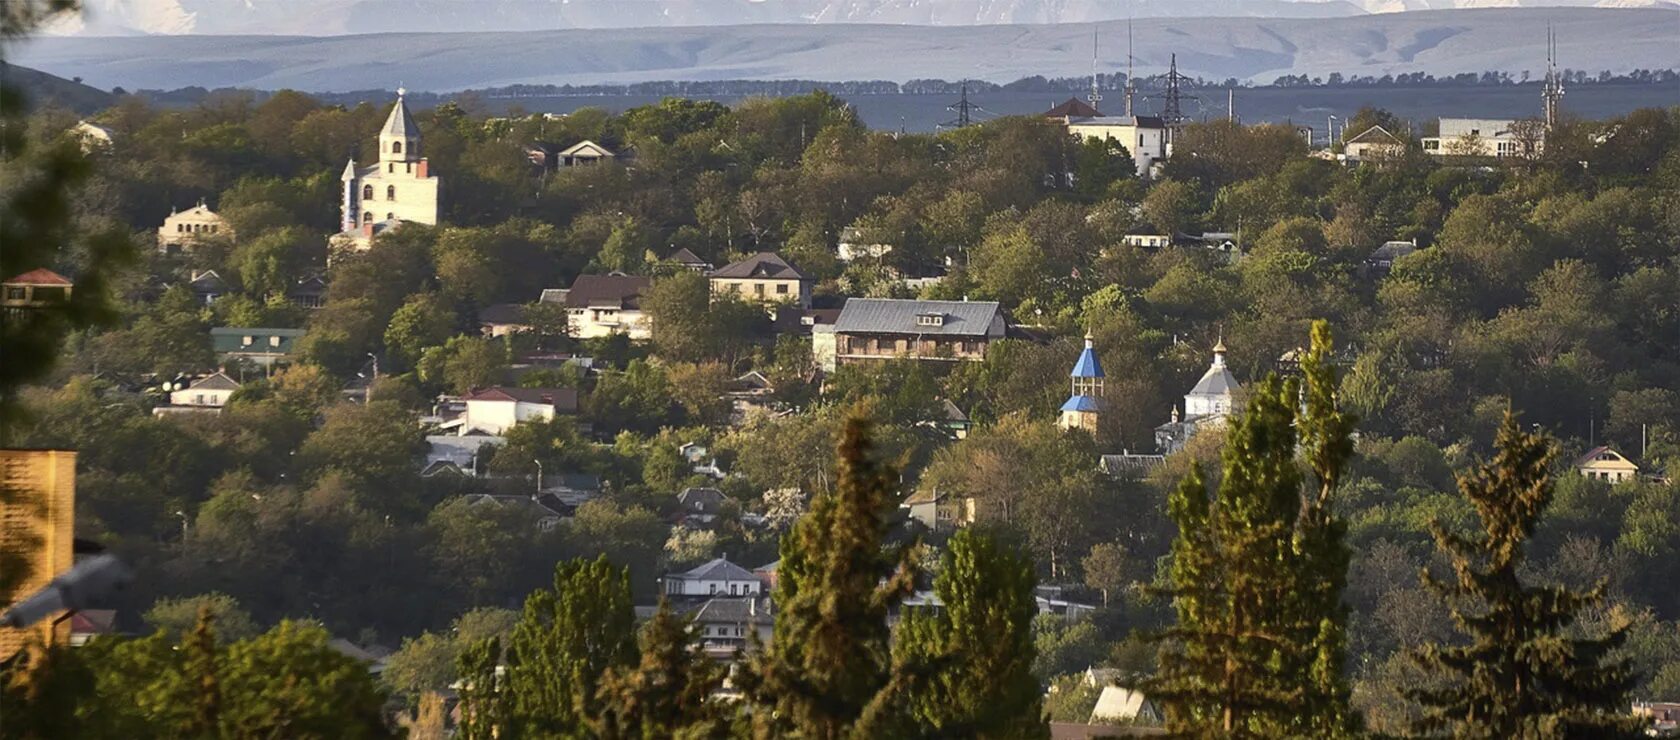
pixel 758 289
pixel 396 147
pixel 732 589
pixel 390 216
pixel 781 289
pixel 711 588
pixel 930 319
pixel 367 218
pixel 390 192
pixel 367 192
pixel 199 399
pixel 274 341
pixel 246 341
pixel 16 294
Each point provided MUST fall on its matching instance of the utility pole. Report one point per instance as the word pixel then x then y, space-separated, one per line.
pixel 1231 104
pixel 1130 88
pixel 962 108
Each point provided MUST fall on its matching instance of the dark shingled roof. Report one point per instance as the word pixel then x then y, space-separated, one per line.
pixel 1073 107
pixel 607 291
pixel 762 265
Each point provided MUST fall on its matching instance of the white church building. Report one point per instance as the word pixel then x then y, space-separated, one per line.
pixel 1216 397
pixel 398 187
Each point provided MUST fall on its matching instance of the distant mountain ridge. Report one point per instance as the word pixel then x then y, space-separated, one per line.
pixel 40 88
pixel 1434 42
pixel 336 17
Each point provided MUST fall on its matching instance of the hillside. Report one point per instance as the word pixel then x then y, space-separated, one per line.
pixel 42 88
pixel 1436 42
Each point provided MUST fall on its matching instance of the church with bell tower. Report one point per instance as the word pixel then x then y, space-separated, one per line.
pixel 398 186
pixel 1084 402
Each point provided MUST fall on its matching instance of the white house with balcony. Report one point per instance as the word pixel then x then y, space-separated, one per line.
pixel 493 411
pixel 716 578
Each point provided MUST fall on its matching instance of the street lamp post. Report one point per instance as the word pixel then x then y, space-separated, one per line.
pixel 539 475
pixel 183 516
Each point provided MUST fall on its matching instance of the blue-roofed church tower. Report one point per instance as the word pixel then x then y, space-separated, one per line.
pixel 1084 402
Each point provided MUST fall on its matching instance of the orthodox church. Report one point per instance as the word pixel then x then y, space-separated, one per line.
pixel 399 186
pixel 1085 399
pixel 1216 397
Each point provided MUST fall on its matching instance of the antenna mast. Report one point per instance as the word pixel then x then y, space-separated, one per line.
pixel 1096 89
pixel 1129 88
pixel 1551 94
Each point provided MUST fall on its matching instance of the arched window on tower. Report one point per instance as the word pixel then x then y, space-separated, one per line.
pixel 390 217
pixel 367 192
pixel 396 147
pixel 390 192
pixel 367 217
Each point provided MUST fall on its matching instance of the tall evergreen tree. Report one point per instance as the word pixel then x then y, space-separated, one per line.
pixel 831 658
pixel 1257 572
pixel 967 670
pixel 199 671
pixel 667 694
pixel 1521 675
pixel 566 640
pixel 483 705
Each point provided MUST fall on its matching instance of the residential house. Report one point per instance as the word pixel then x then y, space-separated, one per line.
pixel 1484 137
pixel 701 505
pixel 187 229
pixel 938 510
pixel 1129 465
pixel 1147 241
pixel 457 454
pixel 953 420
pixel 265 347
pixel 87 624
pixel 767 575
pixel 211 391
pixel 870 329
pixel 765 278
pixel 208 285
pixel 1605 464
pixel 724 625
pixel 1382 259
pixel 545 510
pixel 37 289
pixel 495 410
pixel 1664 717
pixel 502 319
pixel 683 259
pixel 603 305
pixel 1373 143
pixel 1214 399
pixel 1117 704
pixel 310 291
pixel 719 577
pixel 584 153
pixel 852 246
pixel 749 393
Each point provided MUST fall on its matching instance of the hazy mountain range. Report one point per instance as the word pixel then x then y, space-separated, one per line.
pixel 1436 42
pixel 334 17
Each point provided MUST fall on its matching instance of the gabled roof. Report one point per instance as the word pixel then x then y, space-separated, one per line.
pixel 1391 251
pixel 702 500
pixel 1129 464
pixel 716 570
pixel 216 382
pixel 732 610
pixel 685 257
pixel 502 313
pixel 900 316
pixel 39 276
pixel 1594 455
pixel 400 124
pixel 586 147
pixel 766 265
pixel 1082 403
pixel 1373 135
pixel 607 291
pixel 563 399
pixel 1072 107
pixel 1137 121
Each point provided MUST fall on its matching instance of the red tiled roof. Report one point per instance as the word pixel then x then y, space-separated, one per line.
pixel 39 276
pixel 1073 107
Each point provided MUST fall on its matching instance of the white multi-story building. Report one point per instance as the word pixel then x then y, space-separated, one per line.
pixel 493 411
pixel 398 187
pixel 1485 137
pixel 186 229
pixel 716 578
pixel 1145 137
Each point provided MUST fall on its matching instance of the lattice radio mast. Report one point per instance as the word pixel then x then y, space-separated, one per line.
pixel 1551 94
pixel 1096 87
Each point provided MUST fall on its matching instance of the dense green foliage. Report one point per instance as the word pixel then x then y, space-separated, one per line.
pixel 1541 286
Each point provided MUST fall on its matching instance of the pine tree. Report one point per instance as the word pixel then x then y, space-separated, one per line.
pixel 199 674
pixel 830 657
pixel 566 640
pixel 668 694
pixel 1257 573
pixel 968 669
pixel 483 704
pixel 1521 675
